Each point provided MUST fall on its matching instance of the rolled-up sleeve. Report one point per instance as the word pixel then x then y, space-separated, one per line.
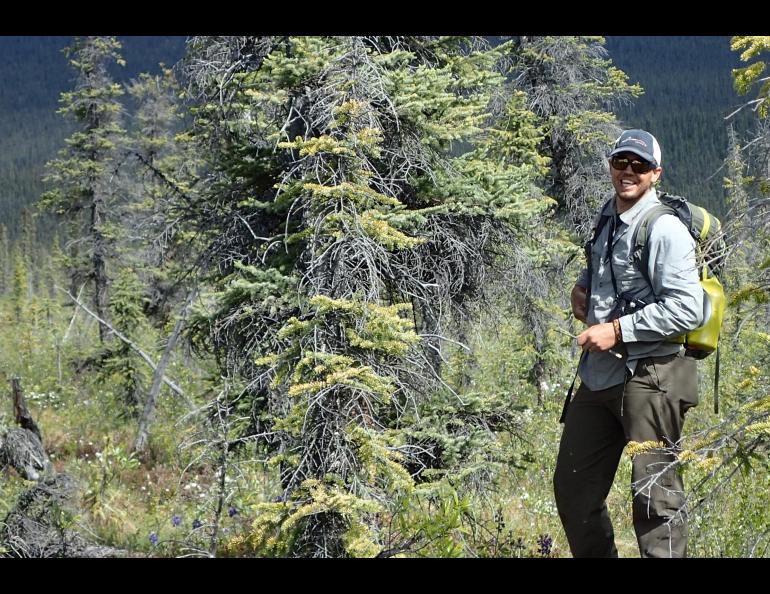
pixel 674 276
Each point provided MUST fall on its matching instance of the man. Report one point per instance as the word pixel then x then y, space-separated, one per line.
pixel 636 385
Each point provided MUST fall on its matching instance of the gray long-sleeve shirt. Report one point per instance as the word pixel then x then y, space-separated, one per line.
pixel 675 303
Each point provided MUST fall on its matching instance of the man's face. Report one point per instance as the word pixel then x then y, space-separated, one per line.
pixel 629 185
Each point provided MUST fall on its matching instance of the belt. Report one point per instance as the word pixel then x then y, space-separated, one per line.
pixel 660 359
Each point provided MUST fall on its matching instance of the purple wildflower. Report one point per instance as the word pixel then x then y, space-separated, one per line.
pixel 153 538
pixel 232 511
pixel 196 524
pixel 544 543
pixel 176 520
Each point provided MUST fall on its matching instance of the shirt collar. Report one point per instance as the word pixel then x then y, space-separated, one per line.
pixel 650 197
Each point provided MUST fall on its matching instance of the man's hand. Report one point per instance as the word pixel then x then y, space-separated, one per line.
pixel 578 300
pixel 597 338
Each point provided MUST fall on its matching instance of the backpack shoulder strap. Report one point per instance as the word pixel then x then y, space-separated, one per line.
pixel 641 251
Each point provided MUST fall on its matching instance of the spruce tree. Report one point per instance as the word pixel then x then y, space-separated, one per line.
pixel 572 86
pixel 20 285
pixel 740 435
pixel 162 171
pixel 123 368
pixel 352 207
pixel 81 178
pixel 748 179
pixel 746 77
pixel 28 245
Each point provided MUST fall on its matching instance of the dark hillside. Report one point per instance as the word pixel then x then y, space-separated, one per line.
pixel 688 92
pixel 34 72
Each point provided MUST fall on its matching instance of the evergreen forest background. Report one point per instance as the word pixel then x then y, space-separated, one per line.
pixel 687 83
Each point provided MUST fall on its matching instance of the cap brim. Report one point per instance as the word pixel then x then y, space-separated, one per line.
pixel 627 149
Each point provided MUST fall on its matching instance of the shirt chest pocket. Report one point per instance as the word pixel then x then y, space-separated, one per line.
pixel 628 276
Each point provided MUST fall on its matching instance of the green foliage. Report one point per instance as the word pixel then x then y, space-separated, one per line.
pixel 108 464
pixel 427 522
pixel 320 316
pixel 123 368
pixel 746 77
pixel 20 286
pixel 161 168
pixel 749 293
pixel 81 178
pixel 95 108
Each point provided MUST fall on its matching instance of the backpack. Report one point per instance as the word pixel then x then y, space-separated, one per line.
pixel 706 229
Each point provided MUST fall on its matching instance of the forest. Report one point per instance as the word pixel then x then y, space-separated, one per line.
pixel 310 296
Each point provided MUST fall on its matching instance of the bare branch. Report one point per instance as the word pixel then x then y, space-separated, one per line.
pixel 131 344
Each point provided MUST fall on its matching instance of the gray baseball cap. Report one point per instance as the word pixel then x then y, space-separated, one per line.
pixel 639 142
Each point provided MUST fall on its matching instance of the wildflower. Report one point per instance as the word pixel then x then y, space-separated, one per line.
pixel 196 524
pixel 232 511
pixel 176 520
pixel 544 543
pixel 278 499
pixel 153 538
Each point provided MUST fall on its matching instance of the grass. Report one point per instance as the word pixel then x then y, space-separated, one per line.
pixel 168 503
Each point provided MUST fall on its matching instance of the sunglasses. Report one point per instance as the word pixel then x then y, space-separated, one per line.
pixel 620 163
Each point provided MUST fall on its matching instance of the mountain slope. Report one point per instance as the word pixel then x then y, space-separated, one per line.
pixel 34 72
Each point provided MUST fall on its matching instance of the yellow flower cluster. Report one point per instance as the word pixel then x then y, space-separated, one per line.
pixel 755 428
pixel 634 448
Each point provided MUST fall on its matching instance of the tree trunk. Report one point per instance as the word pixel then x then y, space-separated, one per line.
pixel 101 301
pixel 148 414
pixel 23 418
pixel 538 372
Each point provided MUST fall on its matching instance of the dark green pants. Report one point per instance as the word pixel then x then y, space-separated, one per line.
pixel 597 428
